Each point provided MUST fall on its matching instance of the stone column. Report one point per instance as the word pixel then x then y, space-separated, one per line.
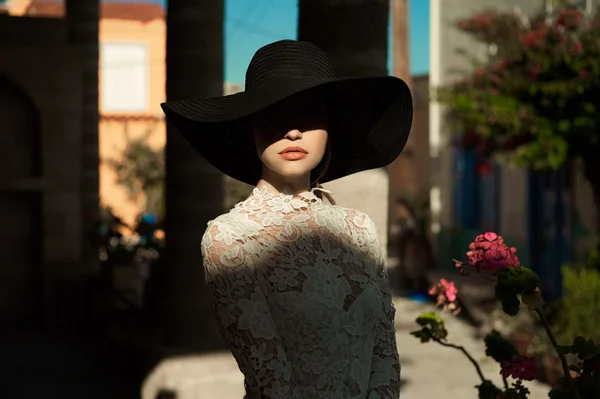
pixel 194 189
pixel 355 35
pixel 83 18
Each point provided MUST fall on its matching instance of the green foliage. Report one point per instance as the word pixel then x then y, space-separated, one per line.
pixel 433 327
pixel 116 250
pixel 516 391
pixel 581 298
pixel 587 382
pixel 487 390
pixel 514 282
pixel 499 348
pixel 534 101
pixel 141 171
pixel 585 349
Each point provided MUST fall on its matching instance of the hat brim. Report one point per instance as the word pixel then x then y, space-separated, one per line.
pixel 370 120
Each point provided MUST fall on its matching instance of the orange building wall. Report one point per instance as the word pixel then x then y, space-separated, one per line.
pixel 115 128
pixel 125 23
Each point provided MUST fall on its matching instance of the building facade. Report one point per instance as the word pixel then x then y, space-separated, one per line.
pixel 131 87
pixel 524 207
pixel 41 166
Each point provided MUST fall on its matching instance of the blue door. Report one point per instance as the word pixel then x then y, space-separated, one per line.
pixel 550 227
pixel 475 195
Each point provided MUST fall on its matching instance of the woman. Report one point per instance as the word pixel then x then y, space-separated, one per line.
pixel 298 285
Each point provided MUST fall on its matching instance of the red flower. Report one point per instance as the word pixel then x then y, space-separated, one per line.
pixel 533 38
pixel 476 22
pixel 483 19
pixel 501 65
pixel 489 252
pixel 484 167
pixel 512 142
pixel 469 140
pixel 577 47
pixel 520 367
pixel 569 18
pixel 584 74
pixel 534 73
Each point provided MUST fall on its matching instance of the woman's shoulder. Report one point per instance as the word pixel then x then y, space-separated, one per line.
pixel 230 217
pixel 229 227
pixel 354 216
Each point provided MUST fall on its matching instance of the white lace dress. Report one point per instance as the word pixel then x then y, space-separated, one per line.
pixel 301 295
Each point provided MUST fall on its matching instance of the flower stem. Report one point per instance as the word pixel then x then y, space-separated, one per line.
pixel 463 350
pixel 562 357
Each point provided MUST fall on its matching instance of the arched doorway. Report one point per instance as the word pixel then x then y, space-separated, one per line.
pixel 21 268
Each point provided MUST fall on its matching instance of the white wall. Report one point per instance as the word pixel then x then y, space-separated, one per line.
pixel 366 192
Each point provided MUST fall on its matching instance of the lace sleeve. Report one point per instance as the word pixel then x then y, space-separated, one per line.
pixel 385 368
pixel 243 315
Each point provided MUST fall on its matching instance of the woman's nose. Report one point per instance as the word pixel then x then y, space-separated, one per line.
pixel 293 134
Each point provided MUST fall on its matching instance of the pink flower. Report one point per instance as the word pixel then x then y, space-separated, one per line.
pixel 520 367
pixel 445 292
pixel 489 252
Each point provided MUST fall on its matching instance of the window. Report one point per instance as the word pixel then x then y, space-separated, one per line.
pixel 124 77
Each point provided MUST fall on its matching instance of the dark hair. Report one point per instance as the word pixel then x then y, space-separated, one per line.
pixel 324 167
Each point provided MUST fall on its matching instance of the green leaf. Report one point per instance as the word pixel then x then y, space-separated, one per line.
pixel 433 327
pixel 424 334
pixel 518 279
pixel 510 305
pixel 499 348
pixel 487 390
pixel 533 300
pixel 560 392
pixel 584 348
pixel 429 318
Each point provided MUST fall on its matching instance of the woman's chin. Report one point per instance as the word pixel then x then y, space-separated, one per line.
pixel 293 171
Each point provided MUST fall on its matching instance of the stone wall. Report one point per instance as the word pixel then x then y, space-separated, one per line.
pixel 35 59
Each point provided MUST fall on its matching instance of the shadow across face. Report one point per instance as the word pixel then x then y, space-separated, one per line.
pixel 302 112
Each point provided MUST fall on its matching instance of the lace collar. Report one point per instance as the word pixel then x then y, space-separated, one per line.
pixel 285 201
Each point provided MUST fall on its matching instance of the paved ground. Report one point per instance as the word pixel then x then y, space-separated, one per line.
pixel 428 371
pixel 35 366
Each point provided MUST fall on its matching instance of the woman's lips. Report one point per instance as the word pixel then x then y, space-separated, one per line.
pixel 294 153
pixel 293 156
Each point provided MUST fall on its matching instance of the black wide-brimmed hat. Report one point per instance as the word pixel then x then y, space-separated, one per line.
pixel 369 117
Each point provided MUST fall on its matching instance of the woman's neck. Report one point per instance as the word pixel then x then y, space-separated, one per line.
pixel 297 185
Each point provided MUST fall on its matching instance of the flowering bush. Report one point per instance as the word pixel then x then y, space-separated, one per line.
pixel 145 245
pixel 515 285
pixel 533 100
